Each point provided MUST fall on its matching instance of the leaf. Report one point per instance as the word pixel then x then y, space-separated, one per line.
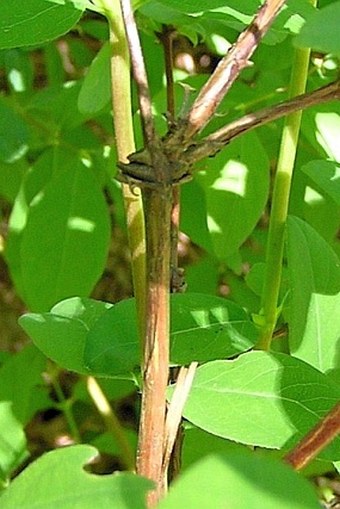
pixel 326 174
pixel 11 176
pixel 107 443
pixel 314 272
pixel 236 184
pixel 88 336
pixel 194 6
pixel 65 239
pixel 203 327
pixel 57 480
pixel 13 133
pixel 57 106
pixel 12 442
pixel 61 334
pixel 22 386
pixel 240 481
pixel 195 224
pixel 321 31
pixel 35 21
pixel 33 182
pixel 208 444
pixel 95 92
pixel 261 399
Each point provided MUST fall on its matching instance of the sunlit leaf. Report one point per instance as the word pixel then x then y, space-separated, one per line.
pixel 261 399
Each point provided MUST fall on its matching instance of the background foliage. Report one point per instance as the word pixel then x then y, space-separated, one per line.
pixel 64 246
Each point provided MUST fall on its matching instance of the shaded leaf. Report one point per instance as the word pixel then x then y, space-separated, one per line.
pixel 239 481
pixel 326 174
pixel 314 33
pixel 13 134
pixel 236 184
pixel 95 92
pixel 65 239
pixel 22 386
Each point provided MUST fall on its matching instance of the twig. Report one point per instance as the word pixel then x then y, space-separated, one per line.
pixel 229 68
pixel 111 422
pixel 316 440
pixel 215 142
pixel 139 74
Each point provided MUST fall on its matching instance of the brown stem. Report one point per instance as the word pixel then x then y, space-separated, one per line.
pixel 157 202
pixel 157 207
pixel 316 440
pixel 166 38
pixel 229 68
pixel 213 143
pixel 139 73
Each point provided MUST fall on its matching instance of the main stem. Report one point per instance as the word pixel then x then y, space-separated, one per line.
pixel 157 207
pixel 280 201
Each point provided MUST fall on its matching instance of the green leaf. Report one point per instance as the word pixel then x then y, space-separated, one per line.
pixel 95 92
pixel 22 386
pixel 35 22
pixel 236 184
pixel 194 6
pixel 107 442
pixel 12 442
pixel 65 239
pixel 13 134
pixel 57 480
pixel 240 481
pixel 83 335
pixel 314 272
pixel 61 334
pixel 208 444
pixel 195 224
pixel 326 174
pixel 11 176
pixel 203 327
pixel 261 399
pixel 57 107
pixel 33 182
pixel 321 127
pixel 321 31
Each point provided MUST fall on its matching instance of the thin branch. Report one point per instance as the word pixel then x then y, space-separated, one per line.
pixel 111 422
pixel 213 143
pixel 175 411
pixel 166 38
pixel 229 68
pixel 316 440
pixel 139 74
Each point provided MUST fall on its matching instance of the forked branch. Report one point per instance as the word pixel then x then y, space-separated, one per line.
pixel 229 69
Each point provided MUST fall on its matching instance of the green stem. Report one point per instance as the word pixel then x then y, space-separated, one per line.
pixel 64 404
pixel 280 201
pixel 111 422
pixel 124 135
